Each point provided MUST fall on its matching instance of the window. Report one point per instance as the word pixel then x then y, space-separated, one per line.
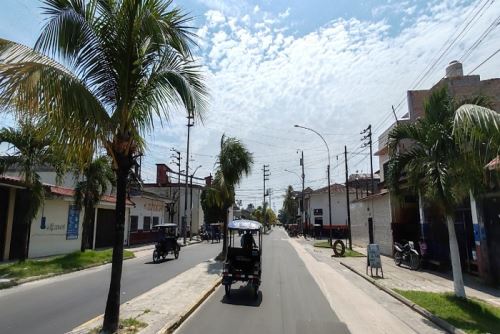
pixel 156 221
pixel 134 221
pixel 318 212
pixel 147 224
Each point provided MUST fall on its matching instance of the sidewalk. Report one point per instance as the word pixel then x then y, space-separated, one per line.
pixel 423 280
pixel 163 308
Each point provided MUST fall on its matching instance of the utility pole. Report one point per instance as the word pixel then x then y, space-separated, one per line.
pixel 347 199
pixel 177 157
pixel 302 207
pixel 184 218
pixel 368 142
pixel 266 175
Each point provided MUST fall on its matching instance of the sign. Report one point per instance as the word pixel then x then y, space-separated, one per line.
pixel 73 223
pixel 373 259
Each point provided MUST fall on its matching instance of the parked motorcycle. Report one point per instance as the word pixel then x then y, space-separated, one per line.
pixel 406 254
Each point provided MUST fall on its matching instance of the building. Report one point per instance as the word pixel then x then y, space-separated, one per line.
pixel 477 222
pixel 149 210
pixel 175 193
pixel 318 217
pixel 56 229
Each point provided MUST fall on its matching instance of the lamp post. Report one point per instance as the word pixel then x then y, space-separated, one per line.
pixel 328 170
pixel 191 204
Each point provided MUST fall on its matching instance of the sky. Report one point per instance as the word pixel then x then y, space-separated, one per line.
pixel 334 66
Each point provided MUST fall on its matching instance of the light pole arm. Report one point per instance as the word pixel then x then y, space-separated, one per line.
pixel 319 134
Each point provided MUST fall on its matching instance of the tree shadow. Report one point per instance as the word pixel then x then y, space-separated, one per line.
pixel 214 267
pixel 243 296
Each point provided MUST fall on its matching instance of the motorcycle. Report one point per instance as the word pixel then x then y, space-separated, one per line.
pixel 406 254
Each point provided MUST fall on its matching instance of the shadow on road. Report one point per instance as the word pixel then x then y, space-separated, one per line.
pixel 243 296
pixel 161 261
pixel 214 267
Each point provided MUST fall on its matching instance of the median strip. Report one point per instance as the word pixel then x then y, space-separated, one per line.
pixel 166 306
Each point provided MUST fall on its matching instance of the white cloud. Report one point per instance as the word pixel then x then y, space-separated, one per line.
pixel 337 79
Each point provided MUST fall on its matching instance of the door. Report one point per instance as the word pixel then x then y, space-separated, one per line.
pixel 4 205
pixel 105 234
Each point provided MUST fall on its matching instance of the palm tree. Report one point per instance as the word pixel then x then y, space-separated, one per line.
pixel 29 150
pixel 124 67
pixel 435 166
pixel 478 130
pixel 97 177
pixel 290 205
pixel 233 162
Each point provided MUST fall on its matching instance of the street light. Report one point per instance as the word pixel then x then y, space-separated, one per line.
pixel 328 169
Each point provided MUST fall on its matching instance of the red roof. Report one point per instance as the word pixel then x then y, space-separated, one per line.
pixel 61 191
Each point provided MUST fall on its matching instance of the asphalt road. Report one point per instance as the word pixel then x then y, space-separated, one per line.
pixel 289 301
pixel 59 304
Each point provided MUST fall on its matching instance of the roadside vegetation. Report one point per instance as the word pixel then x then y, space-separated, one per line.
pixel 126 326
pixel 471 315
pixel 58 264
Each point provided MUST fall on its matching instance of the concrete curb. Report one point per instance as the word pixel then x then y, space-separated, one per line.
pixel 436 320
pixel 170 328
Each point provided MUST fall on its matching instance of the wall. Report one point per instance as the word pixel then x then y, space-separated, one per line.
pixel 380 207
pixel 52 239
pixel 339 207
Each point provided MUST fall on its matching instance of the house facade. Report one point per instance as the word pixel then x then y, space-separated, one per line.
pixel 477 221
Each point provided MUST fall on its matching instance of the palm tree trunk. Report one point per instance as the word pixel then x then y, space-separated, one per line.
pixel 112 313
pixel 87 216
pixel 458 282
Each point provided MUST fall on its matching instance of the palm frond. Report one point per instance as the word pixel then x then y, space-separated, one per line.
pixel 478 126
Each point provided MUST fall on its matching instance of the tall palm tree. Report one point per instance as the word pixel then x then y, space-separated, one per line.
pixel 233 162
pixel 123 67
pixel 435 166
pixel 97 177
pixel 29 150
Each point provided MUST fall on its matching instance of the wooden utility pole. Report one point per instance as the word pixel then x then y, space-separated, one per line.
pixel 266 175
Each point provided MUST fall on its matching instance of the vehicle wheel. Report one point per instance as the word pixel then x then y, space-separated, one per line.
pixel 227 289
pixel 414 262
pixel 338 248
pixel 397 258
pixel 156 256
pixel 176 253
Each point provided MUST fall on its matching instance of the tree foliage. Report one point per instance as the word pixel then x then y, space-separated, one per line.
pixel 123 67
pixel 290 207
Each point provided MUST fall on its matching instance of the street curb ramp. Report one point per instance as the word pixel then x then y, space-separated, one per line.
pixel 436 320
pixel 171 327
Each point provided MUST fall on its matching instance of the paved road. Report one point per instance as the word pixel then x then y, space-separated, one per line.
pixel 290 301
pixel 59 304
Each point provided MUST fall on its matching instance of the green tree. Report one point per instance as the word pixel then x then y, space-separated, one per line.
pixel 435 166
pixel 290 206
pixel 124 67
pixel 29 150
pixel 97 177
pixel 233 162
pixel 478 130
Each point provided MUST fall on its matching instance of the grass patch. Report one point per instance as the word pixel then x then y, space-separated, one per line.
pixel 348 252
pixel 470 315
pixel 58 264
pixel 126 326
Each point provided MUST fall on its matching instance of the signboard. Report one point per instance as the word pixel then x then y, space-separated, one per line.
pixel 373 259
pixel 73 223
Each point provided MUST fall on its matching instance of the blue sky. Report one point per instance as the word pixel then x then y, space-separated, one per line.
pixel 335 66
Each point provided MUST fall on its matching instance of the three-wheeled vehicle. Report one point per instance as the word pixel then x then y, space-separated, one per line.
pixel 166 243
pixel 244 255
